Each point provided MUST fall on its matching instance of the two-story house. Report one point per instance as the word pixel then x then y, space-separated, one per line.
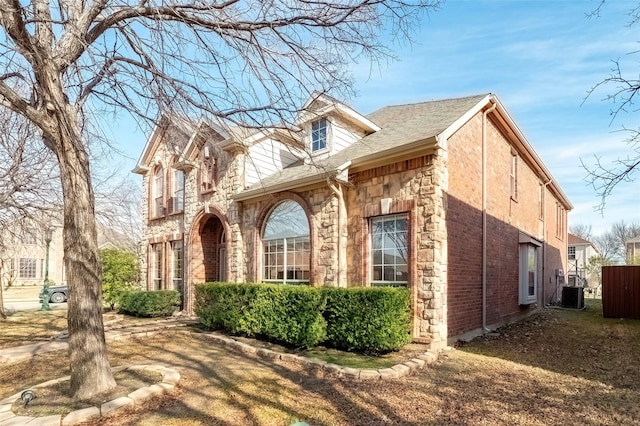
pixel 632 247
pixel 446 198
pixel 578 255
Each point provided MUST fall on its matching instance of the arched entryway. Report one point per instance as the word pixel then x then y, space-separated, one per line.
pixel 209 251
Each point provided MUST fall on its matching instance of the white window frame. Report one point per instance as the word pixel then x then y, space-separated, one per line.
pixel 320 134
pixel 514 176
pixel 288 256
pixel 28 268
pixel 158 192
pixel 177 264
pixel 571 252
pixel 156 266
pixel 178 191
pixel 396 266
pixel 529 258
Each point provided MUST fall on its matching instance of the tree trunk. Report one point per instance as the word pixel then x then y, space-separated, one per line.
pixel 90 370
pixel 3 314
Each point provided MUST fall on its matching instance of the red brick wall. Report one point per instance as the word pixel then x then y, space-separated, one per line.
pixel 507 218
pixel 205 250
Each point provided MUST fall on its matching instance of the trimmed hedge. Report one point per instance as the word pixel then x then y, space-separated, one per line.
pixel 161 303
pixel 288 314
pixel 369 320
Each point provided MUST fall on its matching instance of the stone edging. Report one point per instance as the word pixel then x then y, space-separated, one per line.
pixel 328 369
pixel 170 378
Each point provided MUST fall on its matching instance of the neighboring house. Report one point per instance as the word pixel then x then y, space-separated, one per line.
pixel 633 251
pixel 23 254
pixel 579 253
pixel 23 251
pixel 447 198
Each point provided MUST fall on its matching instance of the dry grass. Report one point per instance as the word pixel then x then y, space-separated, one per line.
pixel 560 367
pixel 25 327
pixel 56 399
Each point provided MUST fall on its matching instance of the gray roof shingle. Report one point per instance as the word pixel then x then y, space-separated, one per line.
pixel 400 125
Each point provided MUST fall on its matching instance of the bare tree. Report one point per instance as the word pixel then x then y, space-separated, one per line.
pixel 581 230
pixel 244 61
pixel 623 89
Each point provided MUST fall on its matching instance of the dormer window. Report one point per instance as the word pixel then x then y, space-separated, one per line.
pixel 319 135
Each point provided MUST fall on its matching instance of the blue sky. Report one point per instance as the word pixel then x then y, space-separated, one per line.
pixel 540 58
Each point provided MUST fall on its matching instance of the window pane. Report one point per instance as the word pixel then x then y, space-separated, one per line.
pixel 389 249
pixel 377 273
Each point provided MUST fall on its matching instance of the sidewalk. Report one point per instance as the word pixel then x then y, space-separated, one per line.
pixel 112 333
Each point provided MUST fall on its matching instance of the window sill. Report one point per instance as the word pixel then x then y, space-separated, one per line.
pixel 208 191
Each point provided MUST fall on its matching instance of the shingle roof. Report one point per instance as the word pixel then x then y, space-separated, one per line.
pixel 400 125
pixel 575 240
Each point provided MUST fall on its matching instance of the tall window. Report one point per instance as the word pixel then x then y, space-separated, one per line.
pixel 514 176
pixel 178 190
pixel 541 201
pixel 158 192
pixel 572 252
pixel 177 263
pixel 286 246
pixel 156 266
pixel 528 274
pixel 319 134
pixel 389 250
pixel 27 268
pixel 559 221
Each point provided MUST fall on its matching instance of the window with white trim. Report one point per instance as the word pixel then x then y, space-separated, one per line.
pixel 286 245
pixel 528 274
pixel 177 263
pixel 178 191
pixel 28 268
pixel 572 252
pixel 514 176
pixel 319 135
pixel 390 250
pixel 158 192
pixel 156 266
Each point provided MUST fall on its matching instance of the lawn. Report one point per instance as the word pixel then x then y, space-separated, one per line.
pixel 559 367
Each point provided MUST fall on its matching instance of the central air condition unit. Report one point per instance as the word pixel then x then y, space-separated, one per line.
pixel 573 297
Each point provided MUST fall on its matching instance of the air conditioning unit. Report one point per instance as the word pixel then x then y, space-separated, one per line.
pixel 573 297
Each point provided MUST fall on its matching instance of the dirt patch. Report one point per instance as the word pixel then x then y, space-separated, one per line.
pixel 56 399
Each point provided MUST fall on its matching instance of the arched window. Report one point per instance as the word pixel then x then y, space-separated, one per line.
pixel 286 244
pixel 158 192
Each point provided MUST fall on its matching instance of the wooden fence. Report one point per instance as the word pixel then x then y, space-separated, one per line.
pixel 621 292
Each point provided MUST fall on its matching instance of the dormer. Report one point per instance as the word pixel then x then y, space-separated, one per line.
pixel 328 126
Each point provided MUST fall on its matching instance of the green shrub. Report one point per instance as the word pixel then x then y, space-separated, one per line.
pixel 119 274
pixel 161 303
pixel 368 320
pixel 284 313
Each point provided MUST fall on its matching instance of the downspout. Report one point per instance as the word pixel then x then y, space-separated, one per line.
pixel 484 216
pixel 342 234
pixel 544 236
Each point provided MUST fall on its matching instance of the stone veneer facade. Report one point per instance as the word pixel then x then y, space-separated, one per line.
pixel 438 189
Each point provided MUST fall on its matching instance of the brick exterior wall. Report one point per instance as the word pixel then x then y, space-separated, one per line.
pixel 507 218
pixel 439 191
